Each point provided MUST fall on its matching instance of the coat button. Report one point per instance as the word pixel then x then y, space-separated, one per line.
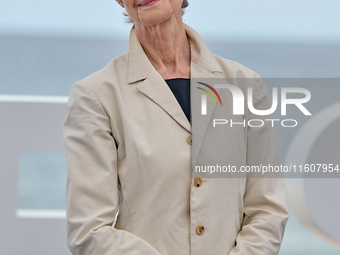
pixel 200 230
pixel 198 182
pixel 189 140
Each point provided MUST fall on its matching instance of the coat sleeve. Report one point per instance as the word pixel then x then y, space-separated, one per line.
pixel 265 204
pixel 92 183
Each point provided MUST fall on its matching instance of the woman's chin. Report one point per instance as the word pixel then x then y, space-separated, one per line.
pixel 156 18
pixel 153 20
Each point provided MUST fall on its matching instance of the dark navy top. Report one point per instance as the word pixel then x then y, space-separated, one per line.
pixel 181 89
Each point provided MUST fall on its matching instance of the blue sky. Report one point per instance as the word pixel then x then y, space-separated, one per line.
pixel 232 20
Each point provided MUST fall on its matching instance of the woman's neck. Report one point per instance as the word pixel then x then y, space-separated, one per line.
pixel 167 47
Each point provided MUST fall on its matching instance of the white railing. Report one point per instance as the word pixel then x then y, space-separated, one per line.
pixel 29 123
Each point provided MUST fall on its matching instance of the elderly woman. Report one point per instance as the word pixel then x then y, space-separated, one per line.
pixel 128 140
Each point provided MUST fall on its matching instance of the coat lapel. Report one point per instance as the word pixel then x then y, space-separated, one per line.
pixel 157 90
pixel 151 83
pixel 200 123
pixel 203 65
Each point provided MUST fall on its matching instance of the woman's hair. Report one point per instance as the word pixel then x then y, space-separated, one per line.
pixel 128 19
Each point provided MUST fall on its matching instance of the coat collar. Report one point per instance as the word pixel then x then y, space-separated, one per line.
pixel 140 66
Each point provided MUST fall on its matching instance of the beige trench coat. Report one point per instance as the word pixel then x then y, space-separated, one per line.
pixel 124 126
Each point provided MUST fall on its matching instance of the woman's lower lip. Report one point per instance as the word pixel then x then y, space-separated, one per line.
pixel 148 3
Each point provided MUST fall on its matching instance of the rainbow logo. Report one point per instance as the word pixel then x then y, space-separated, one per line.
pixel 209 93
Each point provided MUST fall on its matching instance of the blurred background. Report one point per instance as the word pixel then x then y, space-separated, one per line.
pixel 46 46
